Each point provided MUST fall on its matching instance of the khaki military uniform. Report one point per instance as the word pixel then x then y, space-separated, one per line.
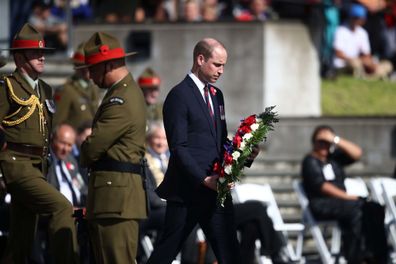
pixel 154 112
pixel 116 199
pixel 26 117
pixel 76 104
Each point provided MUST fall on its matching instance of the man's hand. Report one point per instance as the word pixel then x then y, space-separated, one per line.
pixel 211 182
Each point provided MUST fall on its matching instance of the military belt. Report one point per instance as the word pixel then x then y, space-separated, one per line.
pixel 116 165
pixel 28 149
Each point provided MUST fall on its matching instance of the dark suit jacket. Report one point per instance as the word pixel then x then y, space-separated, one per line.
pixel 195 142
pixel 73 169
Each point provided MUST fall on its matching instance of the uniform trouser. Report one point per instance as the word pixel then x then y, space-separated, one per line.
pixel 33 196
pixel 114 240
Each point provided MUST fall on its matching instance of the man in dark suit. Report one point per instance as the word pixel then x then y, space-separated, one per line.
pixel 64 173
pixel 196 131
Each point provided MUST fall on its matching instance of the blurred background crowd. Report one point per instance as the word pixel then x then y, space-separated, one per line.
pixel 323 17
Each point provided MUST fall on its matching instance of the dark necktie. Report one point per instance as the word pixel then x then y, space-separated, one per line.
pixel 206 94
pixel 64 178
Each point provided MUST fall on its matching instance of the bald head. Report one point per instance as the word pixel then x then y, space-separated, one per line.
pixel 63 140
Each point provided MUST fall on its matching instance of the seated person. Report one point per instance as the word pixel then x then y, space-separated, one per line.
pixel 323 180
pixel 157 156
pixel 63 172
pixel 352 48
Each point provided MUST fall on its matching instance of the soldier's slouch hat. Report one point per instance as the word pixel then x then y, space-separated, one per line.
pixel 28 38
pixel 102 47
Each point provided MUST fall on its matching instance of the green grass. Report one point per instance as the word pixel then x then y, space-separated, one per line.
pixel 347 96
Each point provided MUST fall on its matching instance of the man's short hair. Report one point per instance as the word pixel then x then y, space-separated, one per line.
pixel 206 47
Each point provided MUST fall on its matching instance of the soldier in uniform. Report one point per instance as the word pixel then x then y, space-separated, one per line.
pixel 26 110
pixel 116 196
pixel 77 101
pixel 150 82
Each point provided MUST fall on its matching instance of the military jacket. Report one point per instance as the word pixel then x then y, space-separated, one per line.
pixel 118 133
pixel 154 112
pixel 75 104
pixel 21 124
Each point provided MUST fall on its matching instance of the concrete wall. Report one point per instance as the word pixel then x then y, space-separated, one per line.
pixel 5 23
pixel 377 136
pixel 268 64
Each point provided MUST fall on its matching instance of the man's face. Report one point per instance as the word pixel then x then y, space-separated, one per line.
pixel 151 95
pixel 83 73
pixel 212 68
pixel 63 142
pixel 158 141
pixel 96 73
pixel 36 59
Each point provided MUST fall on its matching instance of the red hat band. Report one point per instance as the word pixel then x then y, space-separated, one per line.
pixel 27 44
pixel 105 54
pixel 79 57
pixel 149 81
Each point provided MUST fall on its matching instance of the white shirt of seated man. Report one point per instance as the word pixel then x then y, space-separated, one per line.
pixel 351 42
pixel 67 185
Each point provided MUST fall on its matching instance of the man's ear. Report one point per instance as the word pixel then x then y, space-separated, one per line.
pixel 200 59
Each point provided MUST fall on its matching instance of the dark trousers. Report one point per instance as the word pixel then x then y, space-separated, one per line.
pixel 356 222
pixel 216 222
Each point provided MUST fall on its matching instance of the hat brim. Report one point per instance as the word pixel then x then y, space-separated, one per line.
pixel 90 65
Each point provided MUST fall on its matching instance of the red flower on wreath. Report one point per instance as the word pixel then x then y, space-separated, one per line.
pixel 227 158
pixel 244 129
pixel 237 141
pixel 250 120
pixel 218 169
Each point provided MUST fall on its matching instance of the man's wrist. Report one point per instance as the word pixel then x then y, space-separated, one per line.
pixel 336 140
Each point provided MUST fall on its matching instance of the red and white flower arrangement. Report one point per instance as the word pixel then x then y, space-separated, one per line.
pixel 252 130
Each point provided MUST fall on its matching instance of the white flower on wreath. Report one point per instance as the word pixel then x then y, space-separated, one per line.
pixel 222 179
pixel 258 120
pixel 242 146
pixel 247 136
pixel 236 155
pixel 227 169
pixel 254 126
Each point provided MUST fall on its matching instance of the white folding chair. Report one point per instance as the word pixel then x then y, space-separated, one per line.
pixel 327 256
pixel 263 193
pixel 383 190
pixel 356 186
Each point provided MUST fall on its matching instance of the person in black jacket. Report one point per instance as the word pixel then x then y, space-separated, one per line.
pixel 323 180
